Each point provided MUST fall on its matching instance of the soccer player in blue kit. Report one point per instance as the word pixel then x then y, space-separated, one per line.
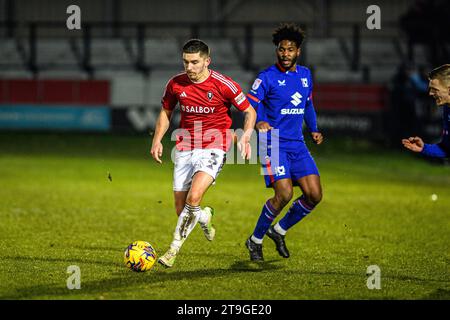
pixel 282 96
pixel 439 89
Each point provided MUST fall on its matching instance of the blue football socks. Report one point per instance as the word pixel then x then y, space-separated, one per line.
pixel 268 214
pixel 298 210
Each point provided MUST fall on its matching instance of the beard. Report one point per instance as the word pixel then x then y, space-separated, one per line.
pixel 192 75
pixel 287 63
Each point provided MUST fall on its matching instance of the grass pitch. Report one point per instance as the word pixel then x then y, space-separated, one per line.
pixel 80 199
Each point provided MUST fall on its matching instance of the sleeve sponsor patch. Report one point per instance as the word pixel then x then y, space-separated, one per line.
pixel 240 98
pixel 256 84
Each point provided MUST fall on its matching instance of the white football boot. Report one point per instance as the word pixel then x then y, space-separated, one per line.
pixel 168 259
pixel 208 228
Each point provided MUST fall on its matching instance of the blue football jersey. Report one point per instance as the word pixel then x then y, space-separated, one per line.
pixel 441 149
pixel 284 99
pixel 445 143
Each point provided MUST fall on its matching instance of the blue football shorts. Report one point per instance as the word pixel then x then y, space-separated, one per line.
pixel 291 164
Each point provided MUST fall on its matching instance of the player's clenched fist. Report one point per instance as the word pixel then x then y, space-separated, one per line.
pixel 413 143
pixel 263 126
pixel 156 151
pixel 317 137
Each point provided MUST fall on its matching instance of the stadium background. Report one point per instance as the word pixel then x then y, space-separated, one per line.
pixel 93 95
pixel 125 52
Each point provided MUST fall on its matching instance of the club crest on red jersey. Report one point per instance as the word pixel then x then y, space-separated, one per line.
pixel 210 95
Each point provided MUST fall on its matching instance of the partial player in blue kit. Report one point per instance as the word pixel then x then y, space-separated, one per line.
pixel 439 89
pixel 282 96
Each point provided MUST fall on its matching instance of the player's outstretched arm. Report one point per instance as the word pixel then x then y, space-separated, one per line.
pixel 162 125
pixel 249 124
pixel 414 144
pixel 429 150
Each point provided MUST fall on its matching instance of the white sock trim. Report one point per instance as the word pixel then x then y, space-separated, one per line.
pixel 256 240
pixel 176 244
pixel 279 229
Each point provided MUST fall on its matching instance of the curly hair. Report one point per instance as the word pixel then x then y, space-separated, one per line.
pixel 288 31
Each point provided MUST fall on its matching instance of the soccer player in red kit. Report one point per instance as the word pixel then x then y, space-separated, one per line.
pixel 205 98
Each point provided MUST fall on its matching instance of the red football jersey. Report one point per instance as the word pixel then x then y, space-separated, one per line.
pixel 205 109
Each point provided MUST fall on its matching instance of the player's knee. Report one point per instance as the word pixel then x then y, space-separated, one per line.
pixel 194 198
pixel 314 197
pixel 284 197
